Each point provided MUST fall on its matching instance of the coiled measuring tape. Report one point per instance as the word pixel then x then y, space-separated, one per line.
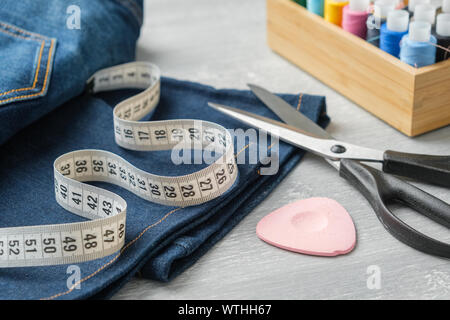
pixel 104 232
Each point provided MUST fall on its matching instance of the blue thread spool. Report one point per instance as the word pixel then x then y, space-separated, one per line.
pixel 442 34
pixel 301 2
pixel 393 30
pixel 381 8
pixel 315 6
pixel 416 49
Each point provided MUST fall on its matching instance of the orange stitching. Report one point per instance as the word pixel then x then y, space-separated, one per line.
pixel 38 67
pixel 300 96
pixel 21 31
pixel 242 149
pixel 17 35
pixel 113 259
pixel 45 79
pixel 268 148
pixel 121 250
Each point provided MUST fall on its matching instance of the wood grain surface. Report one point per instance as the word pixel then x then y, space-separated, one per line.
pixel 223 43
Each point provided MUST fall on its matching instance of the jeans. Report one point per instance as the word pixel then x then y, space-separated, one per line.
pixel 161 241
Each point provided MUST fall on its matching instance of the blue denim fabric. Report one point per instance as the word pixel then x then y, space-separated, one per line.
pixel 44 63
pixel 46 116
pixel 170 245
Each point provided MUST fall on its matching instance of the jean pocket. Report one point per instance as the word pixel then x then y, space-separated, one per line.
pixel 26 61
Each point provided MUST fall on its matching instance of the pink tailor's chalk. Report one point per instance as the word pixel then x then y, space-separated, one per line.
pixel 315 226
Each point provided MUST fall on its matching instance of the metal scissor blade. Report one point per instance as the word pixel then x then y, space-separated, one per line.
pixel 331 149
pixel 288 114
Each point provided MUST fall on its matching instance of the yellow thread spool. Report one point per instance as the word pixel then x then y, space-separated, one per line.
pixel 333 11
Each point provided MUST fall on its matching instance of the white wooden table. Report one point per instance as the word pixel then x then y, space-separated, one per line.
pixel 223 43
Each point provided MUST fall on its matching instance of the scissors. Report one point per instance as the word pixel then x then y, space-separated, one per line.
pixel 380 188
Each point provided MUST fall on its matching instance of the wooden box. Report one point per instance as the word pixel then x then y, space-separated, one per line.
pixel 412 100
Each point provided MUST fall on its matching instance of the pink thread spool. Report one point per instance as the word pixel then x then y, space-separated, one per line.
pixel 354 17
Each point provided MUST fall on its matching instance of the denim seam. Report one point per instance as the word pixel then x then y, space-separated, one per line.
pixel 115 257
pixel 43 42
pixel 133 8
pixel 186 249
pixel 39 60
pixel 299 105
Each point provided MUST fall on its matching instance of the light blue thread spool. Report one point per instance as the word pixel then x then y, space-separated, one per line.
pixel 418 54
pixel 315 6
pixel 418 47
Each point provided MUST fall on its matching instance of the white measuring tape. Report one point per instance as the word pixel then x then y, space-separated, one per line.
pixel 104 233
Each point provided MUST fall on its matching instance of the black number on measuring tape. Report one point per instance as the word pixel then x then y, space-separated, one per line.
pixel 160 134
pixel 76 198
pixel 12 250
pixel 127 113
pixel 92 202
pixel 65 169
pixel 30 243
pixel 155 189
pixel 81 166
pixel 142 135
pixel 141 183
pixel 97 165
pixel 170 192
pixel 90 243
pixel 63 191
pixel 123 173
pixel 194 134
pixel 220 176
pixel 188 191
pixel 107 207
pixel 209 136
pixel 206 185
pixel 108 236
pixel 131 179
pixel 49 245
pixel 112 168
pixel 222 139
pixel 70 246
pixel 121 230
pixel 177 134
pixel 128 133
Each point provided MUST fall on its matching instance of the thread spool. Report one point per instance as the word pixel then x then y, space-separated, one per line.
pixel 446 6
pixel 417 48
pixel 354 17
pixel 315 6
pixel 442 34
pixel 333 11
pixel 392 32
pixel 425 12
pixel 413 3
pixel 301 2
pixel 436 3
pixel 375 20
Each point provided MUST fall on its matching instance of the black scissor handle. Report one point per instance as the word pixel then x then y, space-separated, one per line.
pixel 380 188
pixel 426 168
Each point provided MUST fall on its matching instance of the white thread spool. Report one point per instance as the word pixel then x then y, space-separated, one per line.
pixel 397 20
pixel 443 24
pixel 382 7
pixel 436 3
pixel 425 12
pixel 446 6
pixel 413 3
pixel 419 31
pixel 359 5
